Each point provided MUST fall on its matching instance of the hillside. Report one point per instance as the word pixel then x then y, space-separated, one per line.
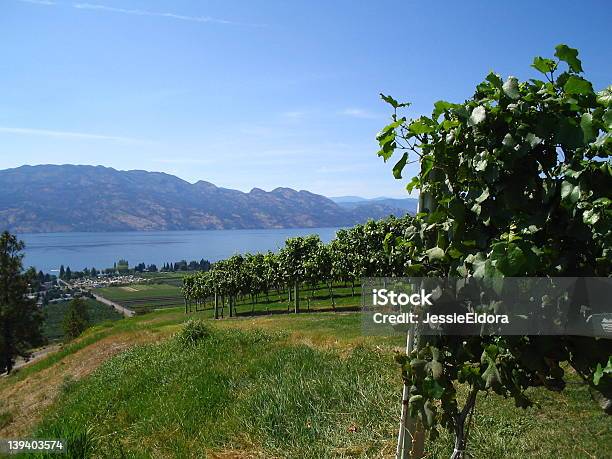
pixel 65 198
pixel 280 385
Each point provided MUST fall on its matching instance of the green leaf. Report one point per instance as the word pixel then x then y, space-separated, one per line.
pixel 399 166
pixel 586 123
pixel 569 55
pixel 440 107
pixel 491 376
pixel 544 65
pixel 495 79
pixel 435 253
pixel 421 126
pixel 590 217
pixel 604 97
pixel 483 196
pixel 478 116
pixel 394 103
pixel 570 192
pixel 433 387
pixel 578 85
pixel 414 183
pixel 511 88
pixel 509 258
pixel 607 119
pixel 601 371
pixel 427 164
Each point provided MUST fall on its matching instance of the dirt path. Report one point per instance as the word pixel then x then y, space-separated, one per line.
pixel 123 310
pixel 24 402
pixel 37 355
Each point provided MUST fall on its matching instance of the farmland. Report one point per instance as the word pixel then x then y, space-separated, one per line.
pixel 54 316
pixel 143 297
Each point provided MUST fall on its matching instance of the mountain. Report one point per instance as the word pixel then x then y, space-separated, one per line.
pixel 341 199
pixel 50 198
pixel 355 202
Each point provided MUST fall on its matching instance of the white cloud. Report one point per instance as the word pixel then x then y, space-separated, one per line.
pixel 294 115
pixel 359 113
pixel 138 12
pixel 202 161
pixel 38 2
pixel 67 134
pixel 180 17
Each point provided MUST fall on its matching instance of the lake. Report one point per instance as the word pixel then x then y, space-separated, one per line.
pixel 47 251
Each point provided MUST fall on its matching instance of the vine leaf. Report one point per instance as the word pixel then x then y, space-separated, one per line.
pixel 544 65
pixel 569 55
pixel 511 88
pixel 604 97
pixel 577 85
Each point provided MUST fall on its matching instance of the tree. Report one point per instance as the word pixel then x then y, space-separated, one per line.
pixel 292 260
pixel 62 272
pixel 122 266
pixel 521 177
pixel 76 319
pixel 20 319
pixel 68 274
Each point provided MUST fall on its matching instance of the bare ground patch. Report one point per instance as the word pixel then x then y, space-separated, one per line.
pixel 27 399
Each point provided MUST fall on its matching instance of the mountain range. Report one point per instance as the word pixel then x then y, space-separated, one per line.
pixel 64 198
pixel 352 202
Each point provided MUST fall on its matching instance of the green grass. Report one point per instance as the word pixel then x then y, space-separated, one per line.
pixel 144 297
pixel 139 291
pixel 251 386
pixel 54 317
pixel 263 395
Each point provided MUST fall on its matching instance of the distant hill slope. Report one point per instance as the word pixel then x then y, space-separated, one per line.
pixel 354 202
pixel 52 198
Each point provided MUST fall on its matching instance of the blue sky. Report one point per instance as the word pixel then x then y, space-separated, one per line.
pixel 259 93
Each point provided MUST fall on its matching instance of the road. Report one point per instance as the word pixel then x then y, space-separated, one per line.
pixel 123 310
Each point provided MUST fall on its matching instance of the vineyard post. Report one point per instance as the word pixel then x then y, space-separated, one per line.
pixel 411 446
pixel 296 294
pixel 216 304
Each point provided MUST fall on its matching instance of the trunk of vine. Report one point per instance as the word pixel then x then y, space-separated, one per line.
pixel 296 294
pixel 353 288
pixel 461 432
pixel 252 304
pixel 331 295
pixel 216 306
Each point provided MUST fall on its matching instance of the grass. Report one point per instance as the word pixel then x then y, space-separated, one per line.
pixel 289 386
pixel 275 385
pixel 264 395
pixel 55 312
pixel 144 297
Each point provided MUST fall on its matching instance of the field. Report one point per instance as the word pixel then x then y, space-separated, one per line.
pixel 147 297
pixel 54 317
pixel 144 297
pixel 268 386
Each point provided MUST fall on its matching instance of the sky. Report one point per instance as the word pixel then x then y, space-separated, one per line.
pixel 260 93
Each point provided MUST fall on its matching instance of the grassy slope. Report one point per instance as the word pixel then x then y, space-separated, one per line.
pixel 284 386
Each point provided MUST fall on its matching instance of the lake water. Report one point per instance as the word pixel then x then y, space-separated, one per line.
pixel 100 250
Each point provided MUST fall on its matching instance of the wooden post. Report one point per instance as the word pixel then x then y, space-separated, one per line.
pixel 411 437
pixel 296 294
pixel 216 305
